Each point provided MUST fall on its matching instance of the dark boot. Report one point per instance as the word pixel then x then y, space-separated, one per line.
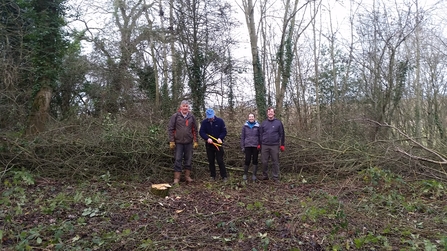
pixel 245 172
pixel 255 169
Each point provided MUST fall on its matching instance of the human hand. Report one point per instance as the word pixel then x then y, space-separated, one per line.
pixel 195 145
pixel 243 150
pixel 172 145
pixel 282 148
pixel 219 141
pixel 210 141
pixel 259 147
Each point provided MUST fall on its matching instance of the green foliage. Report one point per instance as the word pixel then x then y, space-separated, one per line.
pixel 146 80
pixel 23 177
pixel 313 213
pixel 255 206
pixel 433 188
pixel 377 176
pixel 370 238
pixel 46 41
pixel 265 241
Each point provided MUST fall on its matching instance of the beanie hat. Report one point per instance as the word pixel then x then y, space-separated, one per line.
pixel 209 113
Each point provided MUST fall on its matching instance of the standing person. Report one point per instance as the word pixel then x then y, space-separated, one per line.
pixel 271 136
pixel 182 130
pixel 213 131
pixel 249 144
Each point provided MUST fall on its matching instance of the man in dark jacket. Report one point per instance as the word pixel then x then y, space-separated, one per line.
pixel 182 130
pixel 271 136
pixel 213 131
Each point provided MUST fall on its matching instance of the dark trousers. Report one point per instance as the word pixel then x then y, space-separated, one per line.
pixel 251 153
pixel 272 152
pixel 216 154
pixel 183 157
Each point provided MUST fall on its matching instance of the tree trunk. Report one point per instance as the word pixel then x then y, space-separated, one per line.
pixel 39 114
pixel 258 75
pixel 317 74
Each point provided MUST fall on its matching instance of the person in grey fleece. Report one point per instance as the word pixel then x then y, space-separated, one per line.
pixel 249 145
pixel 272 138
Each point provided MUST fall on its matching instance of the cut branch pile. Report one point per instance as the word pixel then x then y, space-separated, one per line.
pixel 130 149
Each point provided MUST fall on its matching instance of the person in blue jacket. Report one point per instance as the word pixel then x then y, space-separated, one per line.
pixel 271 136
pixel 249 144
pixel 213 131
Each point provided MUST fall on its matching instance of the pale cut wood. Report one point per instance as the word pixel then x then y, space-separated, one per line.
pixel 160 189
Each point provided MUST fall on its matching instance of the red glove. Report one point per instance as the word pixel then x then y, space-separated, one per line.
pixel 282 148
pixel 259 147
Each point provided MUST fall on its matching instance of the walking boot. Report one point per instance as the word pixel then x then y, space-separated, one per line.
pixel 244 177
pixel 188 176
pixel 255 169
pixel 177 177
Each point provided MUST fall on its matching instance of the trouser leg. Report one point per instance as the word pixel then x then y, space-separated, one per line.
pixel 178 155
pixel 220 162
pixel 275 161
pixel 187 149
pixel 247 156
pixel 255 156
pixel 265 155
pixel 210 153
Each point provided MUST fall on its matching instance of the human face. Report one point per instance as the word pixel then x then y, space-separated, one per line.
pixel 251 118
pixel 184 108
pixel 270 114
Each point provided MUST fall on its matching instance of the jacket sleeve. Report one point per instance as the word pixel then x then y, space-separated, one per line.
pixel 223 131
pixel 171 128
pixel 194 129
pixel 243 136
pixel 282 134
pixel 261 131
pixel 202 131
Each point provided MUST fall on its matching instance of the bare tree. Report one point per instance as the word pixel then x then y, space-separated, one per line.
pixel 258 74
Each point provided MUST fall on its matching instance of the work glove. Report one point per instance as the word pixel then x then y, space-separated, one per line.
pixel 172 145
pixel 282 148
pixel 195 145
pixel 259 147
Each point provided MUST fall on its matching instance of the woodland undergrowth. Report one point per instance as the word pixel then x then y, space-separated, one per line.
pixel 85 186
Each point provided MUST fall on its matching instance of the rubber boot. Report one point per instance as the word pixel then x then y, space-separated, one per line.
pixel 188 176
pixel 245 172
pixel 177 177
pixel 255 169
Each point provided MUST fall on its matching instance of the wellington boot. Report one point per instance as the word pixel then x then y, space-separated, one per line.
pixel 177 177
pixel 255 169
pixel 244 177
pixel 188 176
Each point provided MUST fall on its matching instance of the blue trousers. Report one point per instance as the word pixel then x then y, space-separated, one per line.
pixel 183 157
